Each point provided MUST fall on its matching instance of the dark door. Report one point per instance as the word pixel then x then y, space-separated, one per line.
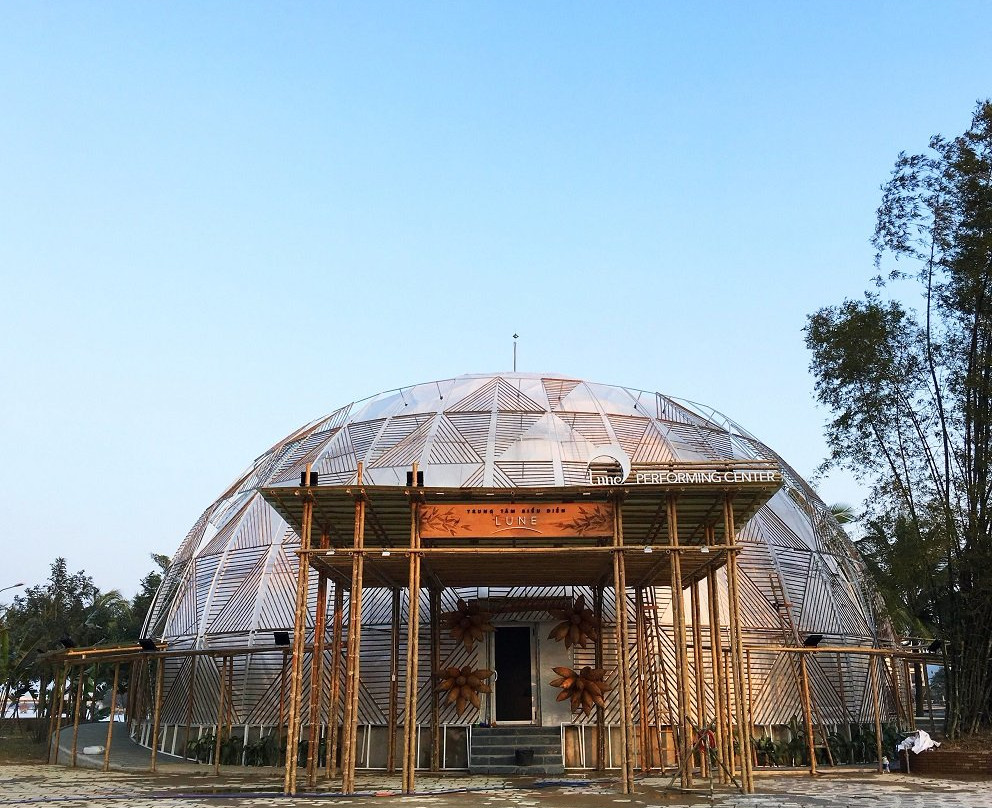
pixel 514 695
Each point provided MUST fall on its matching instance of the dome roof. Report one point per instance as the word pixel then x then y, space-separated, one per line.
pixel 501 431
pixel 233 575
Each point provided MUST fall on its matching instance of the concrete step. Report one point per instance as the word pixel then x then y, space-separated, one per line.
pixel 494 750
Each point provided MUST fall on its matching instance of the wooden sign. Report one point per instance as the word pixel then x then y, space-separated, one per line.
pixel 547 519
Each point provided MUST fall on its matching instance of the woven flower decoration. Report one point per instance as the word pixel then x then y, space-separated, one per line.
pixel 464 685
pixel 578 624
pixel 468 623
pixel 585 688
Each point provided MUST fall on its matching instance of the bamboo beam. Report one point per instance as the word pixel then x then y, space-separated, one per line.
pixel 349 753
pixel 736 646
pixel 110 723
pixel 299 641
pixel 394 675
pixel 681 651
pixel 334 708
pixel 157 711
pixel 435 609
pixel 623 660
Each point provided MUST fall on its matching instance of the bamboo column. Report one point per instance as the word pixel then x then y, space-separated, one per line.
pixel 334 708
pixel 282 697
pixel 874 684
pixel 647 758
pixel 807 712
pixel 299 639
pixel 435 607
pixel 736 646
pixel 890 668
pixel 908 690
pixel 926 684
pixel 412 651
pixel 720 730
pixel 681 649
pixel 113 710
pixel 189 703
pixel 597 600
pixel 316 674
pixel 352 672
pixel 157 709
pixel 221 707
pixel 76 709
pixel 59 704
pixel 394 676
pixel 697 663
pixel 623 654
pixel 750 707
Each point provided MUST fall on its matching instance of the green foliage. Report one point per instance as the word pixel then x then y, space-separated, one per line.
pixel 910 396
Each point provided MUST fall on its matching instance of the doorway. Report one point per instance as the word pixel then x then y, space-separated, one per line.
pixel 512 658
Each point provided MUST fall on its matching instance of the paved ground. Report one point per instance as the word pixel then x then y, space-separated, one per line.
pixel 190 786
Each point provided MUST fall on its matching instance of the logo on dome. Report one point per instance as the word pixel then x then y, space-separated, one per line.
pixel 610 465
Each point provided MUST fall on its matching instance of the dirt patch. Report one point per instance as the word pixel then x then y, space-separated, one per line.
pixel 21 747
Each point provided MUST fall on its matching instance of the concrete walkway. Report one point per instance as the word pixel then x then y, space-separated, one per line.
pixel 179 783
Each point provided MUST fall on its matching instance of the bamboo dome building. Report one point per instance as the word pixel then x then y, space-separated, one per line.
pixel 598 573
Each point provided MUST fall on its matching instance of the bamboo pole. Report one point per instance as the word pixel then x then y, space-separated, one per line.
pixel 334 708
pixel 110 723
pixel 435 608
pixel 716 661
pixel 597 598
pixel 412 651
pixel 282 698
pixel 926 684
pixel 890 668
pixel 647 758
pixel 908 690
pixel 652 633
pixel 681 650
pixel 299 641
pixel 221 706
pixel 157 710
pixel 623 659
pixel 77 705
pixel 316 678
pixel 876 708
pixel 750 703
pixel 59 703
pixel 394 675
pixel 697 662
pixel 189 703
pixel 736 644
pixel 352 672
pixel 807 713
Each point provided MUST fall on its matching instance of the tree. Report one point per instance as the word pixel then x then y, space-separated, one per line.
pixel 911 400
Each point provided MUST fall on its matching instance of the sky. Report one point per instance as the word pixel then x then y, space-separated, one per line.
pixel 221 220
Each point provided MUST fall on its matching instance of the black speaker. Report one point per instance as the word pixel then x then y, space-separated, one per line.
pixel 280 637
pixel 67 642
pixel 420 479
pixel 303 478
pixel 812 640
pixel 147 644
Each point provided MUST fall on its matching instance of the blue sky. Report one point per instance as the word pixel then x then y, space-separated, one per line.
pixel 221 220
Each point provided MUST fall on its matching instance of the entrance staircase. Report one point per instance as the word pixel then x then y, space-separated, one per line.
pixel 494 750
